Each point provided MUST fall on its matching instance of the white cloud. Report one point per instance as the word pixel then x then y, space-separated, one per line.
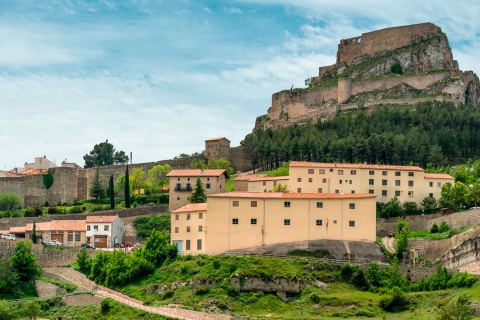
pixel 232 10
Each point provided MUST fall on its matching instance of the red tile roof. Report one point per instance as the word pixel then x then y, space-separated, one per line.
pixel 32 171
pixel 282 195
pixel 17 229
pixel 268 178
pixel 41 226
pixel 248 176
pixel 197 173
pixel 216 139
pixel 438 176
pixel 101 219
pixel 353 166
pixel 68 225
pixel 192 207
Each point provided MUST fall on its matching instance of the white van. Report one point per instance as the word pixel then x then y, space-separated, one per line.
pixel 8 236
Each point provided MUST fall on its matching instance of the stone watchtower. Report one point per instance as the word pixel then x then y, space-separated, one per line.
pixel 216 148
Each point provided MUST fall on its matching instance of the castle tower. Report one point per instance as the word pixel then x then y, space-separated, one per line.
pixel 344 89
pixel 216 148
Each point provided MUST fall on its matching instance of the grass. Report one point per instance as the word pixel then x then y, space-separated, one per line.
pixel 61 284
pixel 426 235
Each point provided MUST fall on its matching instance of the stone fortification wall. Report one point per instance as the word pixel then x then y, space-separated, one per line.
pixel 381 41
pixel 241 158
pixel 350 106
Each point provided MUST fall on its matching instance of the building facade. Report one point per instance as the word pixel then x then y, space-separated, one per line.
pixel 265 184
pixel 216 148
pixel 104 231
pixel 188 228
pixel 407 183
pixel 182 183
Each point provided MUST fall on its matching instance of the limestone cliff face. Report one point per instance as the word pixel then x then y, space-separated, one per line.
pixel 402 65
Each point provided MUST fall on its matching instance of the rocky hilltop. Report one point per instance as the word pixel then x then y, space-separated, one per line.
pixel 401 65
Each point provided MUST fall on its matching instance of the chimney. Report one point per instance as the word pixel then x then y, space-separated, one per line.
pixel 201 172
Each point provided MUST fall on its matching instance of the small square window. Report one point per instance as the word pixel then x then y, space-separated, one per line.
pixel 340 172
pixel 311 171
pixel 320 190
pixel 177 217
pixel 310 180
pixel 189 216
pixel 384 193
pixel 371 192
pixel 351 205
pixel 253 221
pixel 430 195
pixel 321 171
pixel 299 190
pixel 207 185
pixel 286 204
pixel 253 204
pixel 187 245
pixel 334 221
pixel 264 183
pixel 337 191
pixel 318 222
pixel 286 222
pixel 410 194
pixel 410 174
pixel 353 172
pixel 371 182
pixel 371 172
pixel 397 174
pixel 410 183
pixel 105 228
pixel 397 183
pixel 340 181
pixel 324 180
pixel 384 173
pixel 384 182
pixel 319 204
pixel 353 191
pixel 351 223
pixel 200 215
pixel 331 170
pixel 188 229
pixel 199 244
pixel 235 203
pixel 430 184
pixel 299 179
pixel 208 179
pixel 176 229
pixel 397 193
pixel 200 228
pixel 349 181
pixel 234 221
pixel 439 184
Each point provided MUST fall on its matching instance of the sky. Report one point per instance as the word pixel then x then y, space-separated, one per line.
pixel 158 77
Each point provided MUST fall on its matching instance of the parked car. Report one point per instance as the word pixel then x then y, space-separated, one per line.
pixel 123 245
pixel 54 243
pixel 43 243
pixel 8 236
pixel 87 245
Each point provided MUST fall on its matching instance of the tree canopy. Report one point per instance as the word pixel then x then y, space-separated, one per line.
pixel 104 154
pixel 24 262
pixel 198 195
pixel 214 164
pixel 157 177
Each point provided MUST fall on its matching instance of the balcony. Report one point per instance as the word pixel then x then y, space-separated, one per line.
pixel 179 189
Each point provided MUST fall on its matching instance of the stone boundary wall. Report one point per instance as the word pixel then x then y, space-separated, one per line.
pixel 240 158
pixel 6 223
pixel 350 106
pixel 466 253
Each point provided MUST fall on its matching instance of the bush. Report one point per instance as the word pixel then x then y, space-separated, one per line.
pixel 434 228
pixel 105 306
pixel 201 289
pixel 314 298
pixel 78 209
pixel 396 68
pixel 9 201
pixel 52 210
pixel 457 309
pixel 30 212
pixel 396 302
pixel 443 227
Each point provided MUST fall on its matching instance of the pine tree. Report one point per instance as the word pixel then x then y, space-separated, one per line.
pixel 199 195
pixel 34 233
pixel 112 192
pixel 127 189
pixel 97 191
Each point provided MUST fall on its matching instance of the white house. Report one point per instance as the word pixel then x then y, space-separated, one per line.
pixel 104 231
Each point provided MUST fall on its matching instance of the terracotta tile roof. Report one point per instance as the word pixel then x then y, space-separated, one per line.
pixel 41 226
pixel 32 171
pixel 101 219
pixel 216 139
pixel 68 225
pixel 268 178
pixel 4 231
pixel 353 166
pixel 438 176
pixel 192 207
pixel 248 176
pixel 17 229
pixel 282 195
pixel 197 173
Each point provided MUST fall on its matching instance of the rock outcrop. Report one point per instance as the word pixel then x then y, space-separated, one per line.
pixel 401 65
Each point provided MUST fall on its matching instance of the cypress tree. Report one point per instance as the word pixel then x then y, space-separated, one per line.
pixel 34 233
pixel 112 192
pixel 97 191
pixel 199 195
pixel 127 189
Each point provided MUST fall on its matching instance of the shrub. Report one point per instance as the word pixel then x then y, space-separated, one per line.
pixel 461 280
pixel 77 209
pixel 52 210
pixel 201 289
pixel 30 212
pixel 434 228
pixel 396 302
pixel 232 291
pixel 396 68
pixel 105 305
pixel 314 298
pixel 457 309
pixel 443 227
pixel 9 201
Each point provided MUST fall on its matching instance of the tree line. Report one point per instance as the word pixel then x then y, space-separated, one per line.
pixel 437 134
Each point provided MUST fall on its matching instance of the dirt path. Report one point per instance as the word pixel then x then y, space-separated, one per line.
pixel 77 278
pixel 389 243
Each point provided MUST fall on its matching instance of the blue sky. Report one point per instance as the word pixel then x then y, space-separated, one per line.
pixel 157 78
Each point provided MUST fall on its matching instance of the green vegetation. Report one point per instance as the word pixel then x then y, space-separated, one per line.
pixel 199 194
pixel 48 179
pixel 157 177
pixel 61 284
pixel 214 164
pixel 104 154
pixel 229 184
pixel 127 188
pixel 9 201
pixel 97 191
pixel 145 225
pixel 402 237
pixel 281 171
pixel 428 234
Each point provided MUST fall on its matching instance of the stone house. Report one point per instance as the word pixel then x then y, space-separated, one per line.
pixel 69 232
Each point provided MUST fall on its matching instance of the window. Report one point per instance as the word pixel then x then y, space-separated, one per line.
pixel 200 228
pixel 410 174
pixel 286 222
pixel 324 180
pixel 397 183
pixel 319 204
pixel 331 170
pixel 70 236
pixel 200 215
pixel 199 244
pixel 430 195
pixel 286 204
pixel 340 181
pixel 371 182
pixel 384 193
pixel 384 182
pixel 439 184
pixel 235 203
pixel 310 180
pixel 340 172
pixel 430 184
pixel 187 245
pixel 264 183
pixel 105 228
pixel 319 190
pixel 253 221
pixel 178 179
pixel 353 191
pixel 299 190
pixel 397 193
pixel 371 192
pixel 88 228
pixel 321 171
pixel 318 222
pixel 334 221
pixel 397 174
pixel 310 171
pixel 176 229
pixel 188 179
pixel 207 185
pixel 188 228
pixel 235 221
pixel 353 172
pixel 208 179
pixel 177 217
pixel 351 223
pixel 253 204
pixel 179 187
pixel 77 236
pixel 349 181
pixel 95 228
pixel 337 191
pixel 384 173
pixel 189 187
pixel 351 205
pixel 189 216
pixel 410 194
pixel 410 183
pixel 299 179
pixel 371 172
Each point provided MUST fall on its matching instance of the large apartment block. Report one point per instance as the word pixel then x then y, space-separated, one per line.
pixel 241 220
pixel 407 183
pixel 182 183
